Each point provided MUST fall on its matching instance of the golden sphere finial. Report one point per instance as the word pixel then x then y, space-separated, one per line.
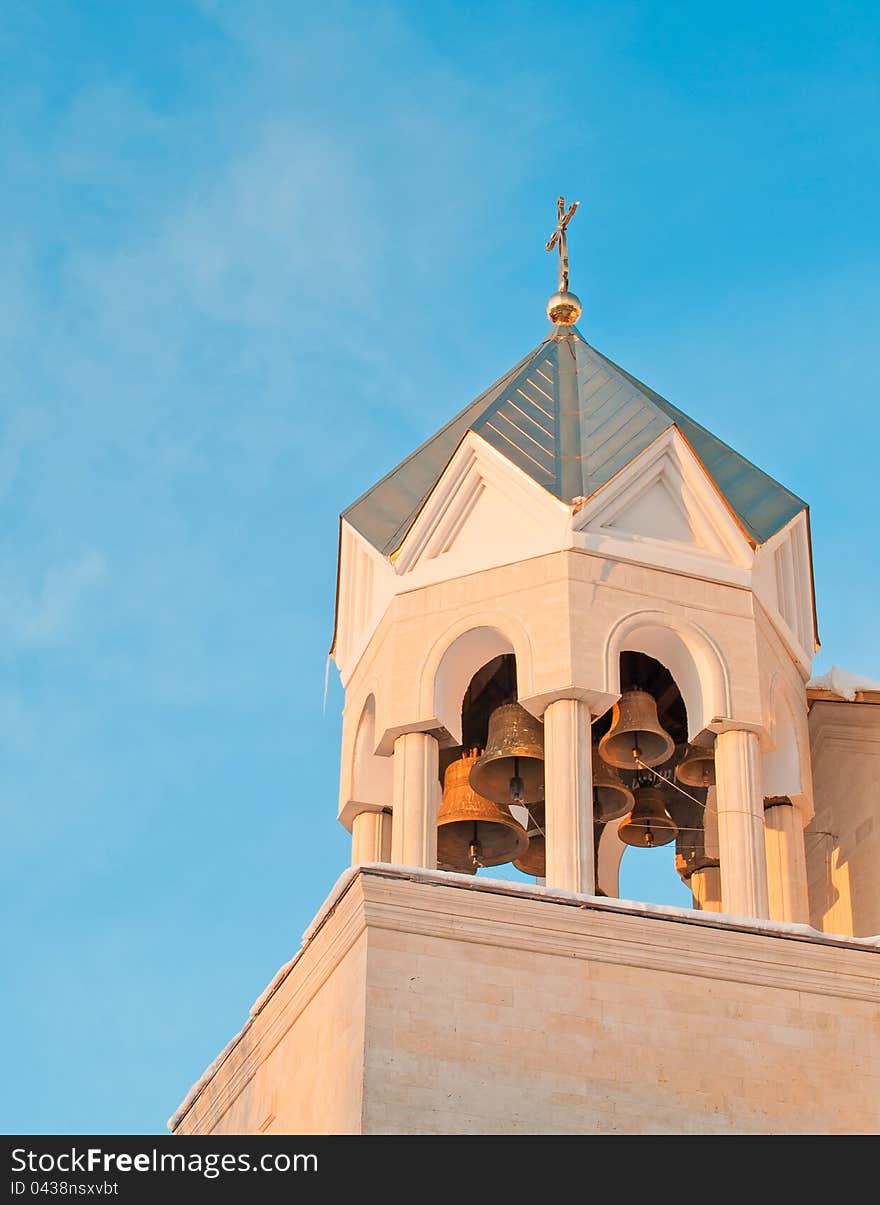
pixel 564 309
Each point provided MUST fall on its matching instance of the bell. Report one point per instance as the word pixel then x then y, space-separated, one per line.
pixel 512 768
pixel 473 831
pixel 649 823
pixel 635 733
pixel 697 767
pixel 534 860
pixel 612 798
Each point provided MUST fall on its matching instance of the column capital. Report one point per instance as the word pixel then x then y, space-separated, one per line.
pixel 353 809
pixel 430 727
pixel 686 867
pixel 598 701
pixel 723 724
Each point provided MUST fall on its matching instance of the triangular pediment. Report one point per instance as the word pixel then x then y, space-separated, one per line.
pixel 656 512
pixel 663 507
pixel 484 511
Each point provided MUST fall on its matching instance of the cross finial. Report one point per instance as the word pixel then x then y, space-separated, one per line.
pixel 559 240
pixel 563 308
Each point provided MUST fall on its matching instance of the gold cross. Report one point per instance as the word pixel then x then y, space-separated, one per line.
pixel 558 239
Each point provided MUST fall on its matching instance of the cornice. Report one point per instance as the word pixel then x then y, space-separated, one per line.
pixel 522 917
pixel 682 942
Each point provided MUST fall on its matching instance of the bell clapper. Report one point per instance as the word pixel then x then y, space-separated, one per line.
pixel 516 784
pixel 474 850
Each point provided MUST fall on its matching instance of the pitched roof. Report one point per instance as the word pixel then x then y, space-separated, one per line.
pixel 571 419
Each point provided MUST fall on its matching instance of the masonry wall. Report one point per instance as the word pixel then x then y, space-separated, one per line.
pixel 453 1007
pixel 487 1014
pixel 843 840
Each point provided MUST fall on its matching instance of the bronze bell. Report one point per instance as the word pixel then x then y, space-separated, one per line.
pixel 512 768
pixel 612 798
pixel 697 767
pixel 534 860
pixel 649 823
pixel 473 831
pixel 635 733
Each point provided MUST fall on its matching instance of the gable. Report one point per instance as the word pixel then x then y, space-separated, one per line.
pixel 656 512
pixel 662 509
pixel 482 513
pixel 385 512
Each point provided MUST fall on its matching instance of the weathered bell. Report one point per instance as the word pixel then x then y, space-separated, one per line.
pixel 612 798
pixel 649 823
pixel 697 767
pixel 512 768
pixel 534 860
pixel 635 733
pixel 473 831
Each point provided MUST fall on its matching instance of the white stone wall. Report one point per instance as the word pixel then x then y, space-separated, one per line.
pixel 843 840
pixel 447 1006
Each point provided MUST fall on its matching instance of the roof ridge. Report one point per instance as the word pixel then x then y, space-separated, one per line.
pixel 674 413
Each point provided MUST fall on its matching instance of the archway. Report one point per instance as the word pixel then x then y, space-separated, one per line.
pixel 658 874
pixel 371 776
pixel 493 685
pixel 689 654
pixel 460 654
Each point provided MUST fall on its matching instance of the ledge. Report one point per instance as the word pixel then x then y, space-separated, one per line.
pixel 621 930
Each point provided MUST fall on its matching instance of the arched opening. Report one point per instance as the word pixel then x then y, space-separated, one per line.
pixel 688 653
pixel 468 824
pixel 460 654
pixel 659 874
pixel 371 776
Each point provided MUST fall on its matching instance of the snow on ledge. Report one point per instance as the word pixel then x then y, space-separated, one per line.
pixel 844 683
pixel 443 878
pixel 602 903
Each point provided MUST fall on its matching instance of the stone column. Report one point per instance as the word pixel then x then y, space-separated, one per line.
pixel 371 837
pixel 568 789
pixel 741 824
pixel 786 861
pixel 416 797
pixel 705 884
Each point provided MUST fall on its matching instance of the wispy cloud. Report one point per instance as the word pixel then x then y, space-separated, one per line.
pixel 46 614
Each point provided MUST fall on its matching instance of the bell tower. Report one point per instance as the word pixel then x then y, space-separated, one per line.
pixel 573 524
pixel 571 621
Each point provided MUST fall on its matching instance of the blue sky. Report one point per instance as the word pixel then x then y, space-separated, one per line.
pixel 253 253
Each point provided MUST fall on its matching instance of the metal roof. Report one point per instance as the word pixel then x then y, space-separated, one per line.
pixel 571 419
